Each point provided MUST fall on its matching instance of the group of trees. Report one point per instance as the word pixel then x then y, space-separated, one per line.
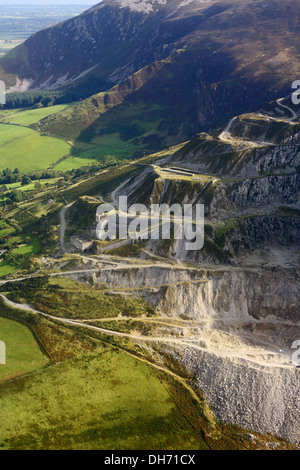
pixel 9 176
pixel 35 98
pixel 53 97
pixel 35 283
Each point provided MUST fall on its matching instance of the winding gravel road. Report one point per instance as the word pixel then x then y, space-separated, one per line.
pixel 294 115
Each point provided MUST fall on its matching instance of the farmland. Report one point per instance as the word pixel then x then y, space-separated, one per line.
pixel 25 146
pixel 9 41
pixel 94 403
pixel 25 117
pixel 22 351
pixel 28 150
pixel 18 255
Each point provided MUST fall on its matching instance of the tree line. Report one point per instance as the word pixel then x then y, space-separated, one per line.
pixel 45 98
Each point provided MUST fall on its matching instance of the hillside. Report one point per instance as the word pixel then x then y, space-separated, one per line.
pixel 190 59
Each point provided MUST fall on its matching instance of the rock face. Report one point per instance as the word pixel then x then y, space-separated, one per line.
pixel 256 193
pixel 214 296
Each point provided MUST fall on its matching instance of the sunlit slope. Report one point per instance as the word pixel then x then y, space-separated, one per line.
pixel 25 117
pixel 22 351
pixel 28 150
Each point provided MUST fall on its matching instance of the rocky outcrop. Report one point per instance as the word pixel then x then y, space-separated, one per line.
pixel 279 158
pixel 251 193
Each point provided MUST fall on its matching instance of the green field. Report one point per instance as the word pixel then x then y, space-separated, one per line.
pixel 23 148
pixel 103 401
pixel 25 117
pixel 106 146
pixel 21 254
pixel 6 229
pixel 22 351
pixel 29 150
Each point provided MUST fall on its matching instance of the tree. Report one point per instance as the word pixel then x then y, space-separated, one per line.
pixel 16 196
pixel 38 186
pixel 3 189
pixel 26 180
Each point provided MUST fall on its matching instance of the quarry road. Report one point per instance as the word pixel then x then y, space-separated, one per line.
pixel 294 115
pixel 28 308
pixel 255 356
pixel 226 136
pixel 117 266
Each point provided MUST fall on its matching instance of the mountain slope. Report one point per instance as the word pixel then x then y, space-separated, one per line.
pixel 113 39
pixel 200 63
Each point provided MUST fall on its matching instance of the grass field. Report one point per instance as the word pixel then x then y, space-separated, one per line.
pixel 22 351
pixel 28 150
pixel 21 254
pixel 6 229
pixel 25 117
pixel 106 401
pixel 105 146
